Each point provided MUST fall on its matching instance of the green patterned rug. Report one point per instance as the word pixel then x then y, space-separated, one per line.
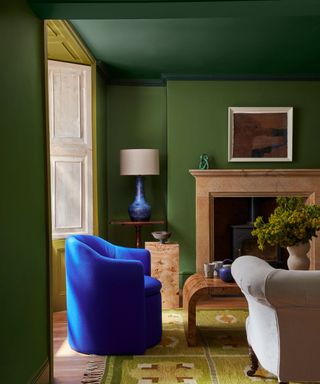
pixel 221 357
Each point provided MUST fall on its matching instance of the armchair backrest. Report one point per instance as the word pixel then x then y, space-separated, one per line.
pixel 104 248
pixel 101 246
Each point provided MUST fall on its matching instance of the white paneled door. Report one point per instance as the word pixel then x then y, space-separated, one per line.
pixel 70 126
pixel 70 148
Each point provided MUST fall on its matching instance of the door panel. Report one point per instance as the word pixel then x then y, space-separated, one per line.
pixel 59 275
pixel 66 100
pixel 70 126
pixel 68 180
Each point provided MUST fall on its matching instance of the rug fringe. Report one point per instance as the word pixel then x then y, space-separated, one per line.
pixel 94 371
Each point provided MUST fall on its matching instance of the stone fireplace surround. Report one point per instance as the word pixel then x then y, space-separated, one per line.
pixel 246 183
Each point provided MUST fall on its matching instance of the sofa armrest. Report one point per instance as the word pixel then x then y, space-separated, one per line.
pixel 251 273
pixel 278 287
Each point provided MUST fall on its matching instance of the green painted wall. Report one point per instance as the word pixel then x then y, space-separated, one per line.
pixel 198 123
pixel 136 119
pixel 184 120
pixel 23 206
pixel 102 162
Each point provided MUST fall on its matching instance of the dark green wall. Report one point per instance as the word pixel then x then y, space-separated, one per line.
pixel 198 123
pixel 136 119
pixel 186 119
pixel 23 206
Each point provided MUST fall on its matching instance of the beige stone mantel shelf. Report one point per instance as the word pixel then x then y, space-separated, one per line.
pixel 254 172
pixel 213 183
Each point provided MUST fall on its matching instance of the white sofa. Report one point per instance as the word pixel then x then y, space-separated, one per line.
pixel 283 327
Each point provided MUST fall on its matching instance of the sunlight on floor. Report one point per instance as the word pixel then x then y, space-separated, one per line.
pixel 65 350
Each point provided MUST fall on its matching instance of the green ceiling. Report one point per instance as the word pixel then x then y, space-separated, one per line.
pixel 213 39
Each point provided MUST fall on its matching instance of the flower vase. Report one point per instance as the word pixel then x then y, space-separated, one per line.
pixel 298 258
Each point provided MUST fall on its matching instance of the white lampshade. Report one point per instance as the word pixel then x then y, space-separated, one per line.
pixel 138 162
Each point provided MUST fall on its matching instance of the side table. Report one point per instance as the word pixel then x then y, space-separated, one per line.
pixel 165 267
pixel 137 225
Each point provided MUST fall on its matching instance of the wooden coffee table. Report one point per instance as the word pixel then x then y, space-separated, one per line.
pixel 195 287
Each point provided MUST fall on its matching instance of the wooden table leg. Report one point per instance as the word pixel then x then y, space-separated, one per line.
pixel 193 289
pixel 138 236
pixel 190 323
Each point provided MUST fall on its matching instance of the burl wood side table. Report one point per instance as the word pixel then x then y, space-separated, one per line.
pixel 197 286
pixel 165 267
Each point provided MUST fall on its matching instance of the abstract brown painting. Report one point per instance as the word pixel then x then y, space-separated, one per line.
pixel 260 134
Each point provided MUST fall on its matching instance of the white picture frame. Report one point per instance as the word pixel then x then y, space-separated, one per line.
pixel 260 134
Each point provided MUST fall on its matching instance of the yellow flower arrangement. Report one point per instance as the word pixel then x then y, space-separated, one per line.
pixel 292 222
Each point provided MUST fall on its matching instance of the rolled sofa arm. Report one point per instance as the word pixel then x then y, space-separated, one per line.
pixel 279 287
pixel 251 274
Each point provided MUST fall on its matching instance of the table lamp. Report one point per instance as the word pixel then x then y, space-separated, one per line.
pixel 139 162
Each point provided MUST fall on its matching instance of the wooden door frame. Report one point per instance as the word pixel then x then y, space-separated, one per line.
pixel 81 56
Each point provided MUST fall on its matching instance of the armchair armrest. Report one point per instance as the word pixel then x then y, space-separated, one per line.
pixel 138 254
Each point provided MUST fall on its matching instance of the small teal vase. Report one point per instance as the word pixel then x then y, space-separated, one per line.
pixel 139 210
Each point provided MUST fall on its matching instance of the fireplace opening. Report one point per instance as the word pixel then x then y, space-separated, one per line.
pixel 233 223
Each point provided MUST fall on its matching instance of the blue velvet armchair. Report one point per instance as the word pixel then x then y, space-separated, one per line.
pixel 113 304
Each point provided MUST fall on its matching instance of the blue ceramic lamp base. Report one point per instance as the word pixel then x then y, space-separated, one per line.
pixel 139 210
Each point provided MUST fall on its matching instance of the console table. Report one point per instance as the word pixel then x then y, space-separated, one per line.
pixel 137 225
pixel 197 286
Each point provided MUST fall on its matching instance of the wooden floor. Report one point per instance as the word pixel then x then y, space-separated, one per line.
pixel 70 365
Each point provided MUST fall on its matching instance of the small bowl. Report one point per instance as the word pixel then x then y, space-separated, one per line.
pixel 162 236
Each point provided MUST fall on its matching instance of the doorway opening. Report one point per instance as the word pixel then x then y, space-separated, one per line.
pixel 71 106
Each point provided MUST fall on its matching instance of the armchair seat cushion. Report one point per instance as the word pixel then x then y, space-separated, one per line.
pixel 152 286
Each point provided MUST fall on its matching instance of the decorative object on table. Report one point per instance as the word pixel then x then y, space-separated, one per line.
pixel 260 134
pixel 204 161
pixel 298 256
pixel 292 224
pixel 208 269
pixel 138 227
pixel 218 265
pixel 162 236
pixel 225 271
pixel 139 162
pixel 215 273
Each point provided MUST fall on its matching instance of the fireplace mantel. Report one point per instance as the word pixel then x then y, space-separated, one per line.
pixel 213 183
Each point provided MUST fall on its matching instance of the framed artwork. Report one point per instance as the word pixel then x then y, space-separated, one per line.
pixel 260 134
